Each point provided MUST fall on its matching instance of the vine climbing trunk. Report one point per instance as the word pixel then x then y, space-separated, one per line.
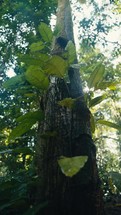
pixel 66 132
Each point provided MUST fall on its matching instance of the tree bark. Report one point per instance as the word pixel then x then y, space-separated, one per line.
pixel 67 132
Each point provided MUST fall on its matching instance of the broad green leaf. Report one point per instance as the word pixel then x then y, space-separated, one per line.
pixel 96 100
pixel 36 77
pixel 107 84
pixel 18 79
pixel 70 166
pixel 92 123
pixel 45 32
pixel 109 124
pixel 37 46
pixel 67 102
pixel 56 66
pixel 21 129
pixel 96 76
pixel 71 51
pixel 34 116
pixel 25 123
pixel 37 59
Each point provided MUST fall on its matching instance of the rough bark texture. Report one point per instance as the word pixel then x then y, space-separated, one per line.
pixel 70 136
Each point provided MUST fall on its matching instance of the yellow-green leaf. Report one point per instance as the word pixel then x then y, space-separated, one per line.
pixel 31 116
pixel 67 102
pixel 56 66
pixel 10 83
pixel 25 123
pixel 37 46
pixel 109 124
pixel 96 100
pixel 70 166
pixel 36 77
pixel 107 84
pixel 37 59
pixel 45 32
pixel 19 130
pixel 96 76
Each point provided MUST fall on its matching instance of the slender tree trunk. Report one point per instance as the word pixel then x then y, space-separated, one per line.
pixel 69 135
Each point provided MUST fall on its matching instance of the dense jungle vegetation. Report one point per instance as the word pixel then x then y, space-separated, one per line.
pixel 60 99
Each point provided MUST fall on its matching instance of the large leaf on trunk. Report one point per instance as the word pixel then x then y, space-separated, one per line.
pixel 109 124
pixel 25 123
pixel 56 66
pixel 36 77
pixel 45 32
pixel 67 102
pixel 70 166
pixel 96 76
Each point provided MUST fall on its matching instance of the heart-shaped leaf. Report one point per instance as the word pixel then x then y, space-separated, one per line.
pixel 70 166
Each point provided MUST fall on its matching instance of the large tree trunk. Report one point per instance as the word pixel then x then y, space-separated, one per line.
pixel 69 135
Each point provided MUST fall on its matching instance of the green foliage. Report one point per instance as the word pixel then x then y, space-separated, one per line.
pixel 109 124
pixel 35 59
pixel 27 49
pixel 56 66
pixel 19 29
pixel 107 84
pixel 36 77
pixel 116 179
pixel 18 194
pixel 37 46
pixel 97 100
pixel 71 52
pixel 71 166
pixel 10 83
pixel 24 150
pixel 45 32
pixel 96 76
pixel 25 123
